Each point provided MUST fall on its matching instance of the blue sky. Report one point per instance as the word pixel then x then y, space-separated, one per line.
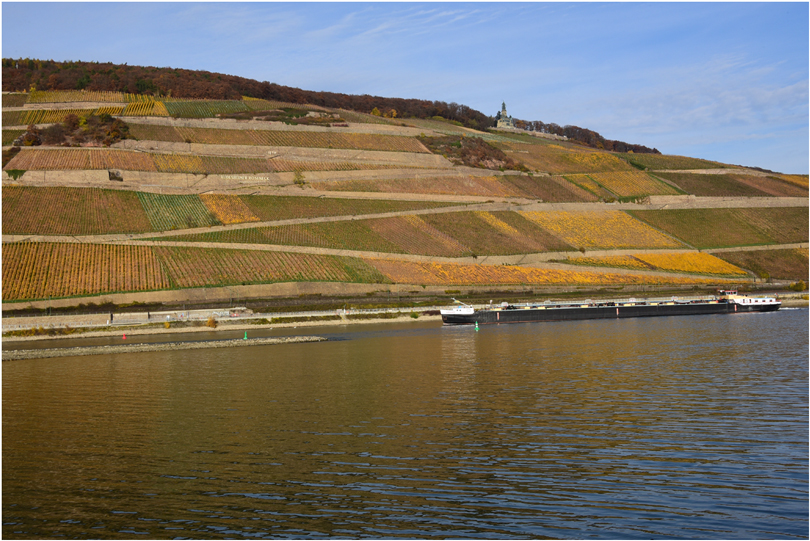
pixel 722 81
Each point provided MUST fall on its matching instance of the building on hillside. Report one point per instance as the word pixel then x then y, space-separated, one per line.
pixel 504 120
pixel 506 123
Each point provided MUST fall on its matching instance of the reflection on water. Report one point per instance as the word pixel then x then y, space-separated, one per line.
pixel 665 427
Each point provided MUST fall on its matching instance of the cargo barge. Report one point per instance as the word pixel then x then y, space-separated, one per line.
pixel 726 302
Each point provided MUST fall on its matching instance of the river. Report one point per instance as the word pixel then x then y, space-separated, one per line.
pixel 670 427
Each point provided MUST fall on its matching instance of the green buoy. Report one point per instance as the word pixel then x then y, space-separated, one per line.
pixel 245 338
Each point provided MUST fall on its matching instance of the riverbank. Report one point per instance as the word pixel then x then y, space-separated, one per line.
pixel 15 355
pixel 131 330
pixel 788 301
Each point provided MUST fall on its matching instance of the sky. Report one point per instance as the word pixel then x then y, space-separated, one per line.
pixel 721 81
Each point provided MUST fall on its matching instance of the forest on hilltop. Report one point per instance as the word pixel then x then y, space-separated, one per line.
pixel 21 74
pixel 24 74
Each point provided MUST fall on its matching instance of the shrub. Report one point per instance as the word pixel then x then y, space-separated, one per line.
pixel 212 322
pixel 71 122
pixel 798 286
pixel 31 137
pixel 53 135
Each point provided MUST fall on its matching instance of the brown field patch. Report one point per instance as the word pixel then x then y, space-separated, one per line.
pixel 414 236
pixel 787 264
pixel 720 228
pixel 732 185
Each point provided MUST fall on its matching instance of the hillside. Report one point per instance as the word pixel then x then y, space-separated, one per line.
pixel 79 81
pixel 288 199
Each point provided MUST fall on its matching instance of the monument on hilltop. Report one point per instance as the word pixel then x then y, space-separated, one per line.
pixel 504 120
pixel 507 123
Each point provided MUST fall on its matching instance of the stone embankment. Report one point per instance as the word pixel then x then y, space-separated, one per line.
pixel 14 355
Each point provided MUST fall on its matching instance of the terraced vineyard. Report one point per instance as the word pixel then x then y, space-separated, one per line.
pixel 281 165
pixel 558 159
pixel 84 159
pixel 343 235
pixel 43 270
pixel 69 96
pixel 499 233
pixel 51 116
pixel 15 100
pixel 785 264
pixel 609 229
pixel 71 211
pixel 690 263
pixel 41 116
pixel 93 211
pixel 304 139
pixel 721 228
pixel 587 184
pixel 10 135
pixel 658 162
pixel 203 109
pixel 734 185
pixel 693 263
pixel 798 180
pixel 218 165
pixel 633 184
pixel 269 208
pixel 471 275
pixel 444 234
pixel 542 188
pixel 168 212
pixel 146 108
pixel 256 104
pixel 616 261
pixel 557 212
pixel 81 159
pixel 200 267
pixel 228 209
pixel 153 132
pixel 412 234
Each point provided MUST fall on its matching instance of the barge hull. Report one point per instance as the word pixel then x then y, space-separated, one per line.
pixel 527 315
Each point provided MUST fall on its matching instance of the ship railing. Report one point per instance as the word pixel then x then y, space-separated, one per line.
pixel 628 300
